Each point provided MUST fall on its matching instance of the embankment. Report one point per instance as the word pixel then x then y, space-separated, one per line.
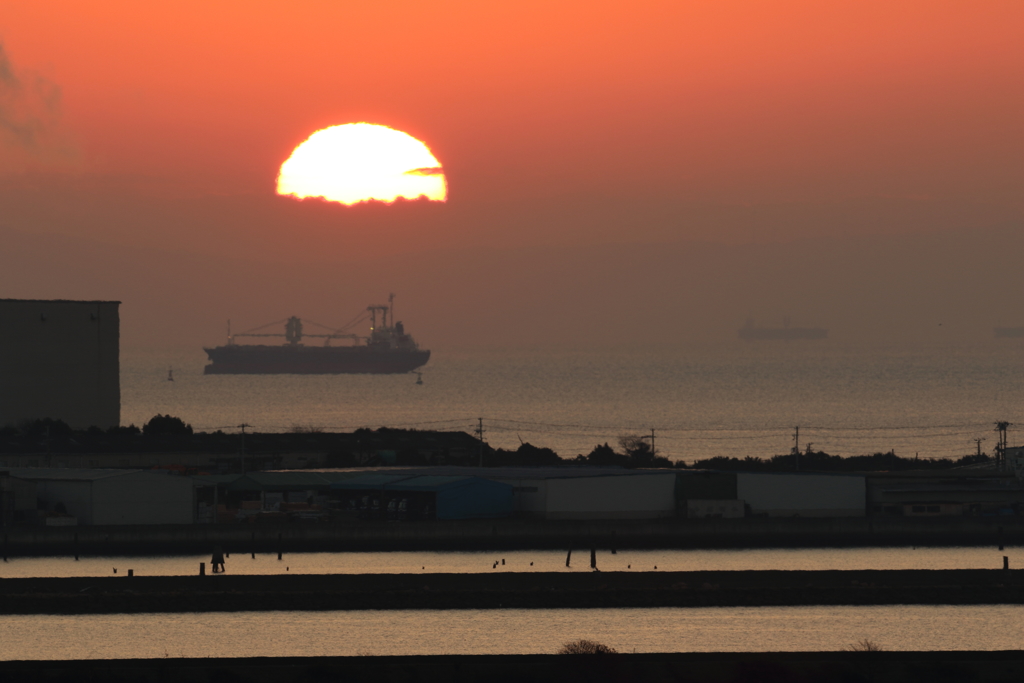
pixel 511 534
pixel 714 667
pixel 123 594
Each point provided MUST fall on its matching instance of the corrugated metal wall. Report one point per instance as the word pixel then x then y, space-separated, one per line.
pixel 804 495
pixel 474 499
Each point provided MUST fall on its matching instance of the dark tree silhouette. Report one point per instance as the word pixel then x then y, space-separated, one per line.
pixel 166 425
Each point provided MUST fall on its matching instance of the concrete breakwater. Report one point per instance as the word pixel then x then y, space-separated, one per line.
pixel 706 667
pixel 127 594
pixel 511 534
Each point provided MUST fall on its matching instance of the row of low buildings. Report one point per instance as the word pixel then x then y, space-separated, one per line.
pixel 58 496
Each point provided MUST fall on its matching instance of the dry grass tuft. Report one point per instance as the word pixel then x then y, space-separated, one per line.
pixel 865 646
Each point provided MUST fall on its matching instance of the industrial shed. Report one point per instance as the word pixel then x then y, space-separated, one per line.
pixel 60 360
pixel 97 497
pixel 17 499
pixel 439 497
pixel 797 494
pixel 589 493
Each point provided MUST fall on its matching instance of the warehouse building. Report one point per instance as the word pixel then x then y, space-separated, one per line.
pixel 797 494
pixel 60 360
pixel 708 493
pixel 585 493
pixel 966 491
pixel 111 496
pixel 575 492
pixel 403 496
pixel 17 500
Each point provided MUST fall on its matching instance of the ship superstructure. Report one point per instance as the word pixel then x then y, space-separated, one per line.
pixel 388 349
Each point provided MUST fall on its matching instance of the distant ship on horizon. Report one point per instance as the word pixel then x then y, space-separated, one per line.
pixel 387 350
pixel 751 332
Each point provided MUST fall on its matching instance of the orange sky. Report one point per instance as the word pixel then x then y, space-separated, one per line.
pixel 558 123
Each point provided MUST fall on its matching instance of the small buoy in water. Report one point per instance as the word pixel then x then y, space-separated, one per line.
pixel 629 566
pixel 115 570
pixel 655 566
pixel 531 564
pixel 287 569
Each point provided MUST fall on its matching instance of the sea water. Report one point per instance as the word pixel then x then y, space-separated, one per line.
pixel 737 400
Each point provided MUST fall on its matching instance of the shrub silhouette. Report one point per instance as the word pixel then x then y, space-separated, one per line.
pixel 865 646
pixel 586 647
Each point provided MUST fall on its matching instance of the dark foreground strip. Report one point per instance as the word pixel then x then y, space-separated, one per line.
pixel 226 593
pixel 779 667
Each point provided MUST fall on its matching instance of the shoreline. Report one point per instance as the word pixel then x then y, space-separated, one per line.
pixel 542 590
pixel 513 534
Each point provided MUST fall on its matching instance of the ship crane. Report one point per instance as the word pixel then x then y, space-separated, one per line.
pixel 293 333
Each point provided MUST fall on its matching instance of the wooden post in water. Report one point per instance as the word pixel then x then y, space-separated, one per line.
pixel 1006 562
pixel 279 550
pixel 202 569
pixel 593 558
pixel 568 557
pixel 131 572
pixel 76 546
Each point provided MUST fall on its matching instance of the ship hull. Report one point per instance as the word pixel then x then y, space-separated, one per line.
pixel 245 359
pixel 1010 332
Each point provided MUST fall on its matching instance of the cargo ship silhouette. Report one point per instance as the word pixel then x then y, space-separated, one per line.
pixel 1009 332
pixel 387 350
pixel 751 332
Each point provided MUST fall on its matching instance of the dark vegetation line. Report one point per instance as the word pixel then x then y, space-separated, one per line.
pixel 167 434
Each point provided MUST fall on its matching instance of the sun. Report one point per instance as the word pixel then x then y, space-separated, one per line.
pixel 358 162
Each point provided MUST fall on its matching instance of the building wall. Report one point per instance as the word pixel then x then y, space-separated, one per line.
pixel 804 495
pixel 715 507
pixel 143 498
pixel 60 359
pixel 529 496
pixel 76 496
pixel 706 485
pixel 646 496
pixel 479 498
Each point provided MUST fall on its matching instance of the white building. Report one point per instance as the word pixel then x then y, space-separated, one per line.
pixel 802 495
pixel 114 496
pixel 60 360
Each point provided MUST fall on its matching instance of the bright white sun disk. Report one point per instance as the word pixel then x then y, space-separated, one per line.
pixel 357 162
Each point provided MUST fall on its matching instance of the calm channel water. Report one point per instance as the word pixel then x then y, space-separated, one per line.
pixel 509 631
pixel 520 561
pixel 733 399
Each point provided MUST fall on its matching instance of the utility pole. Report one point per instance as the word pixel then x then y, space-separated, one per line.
pixel 480 436
pixel 242 427
pixel 1001 427
pixel 796 448
pixel 652 443
pixel 978 443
